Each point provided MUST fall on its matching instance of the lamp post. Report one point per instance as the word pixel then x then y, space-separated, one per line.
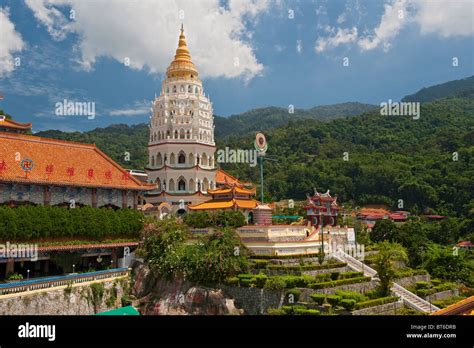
pixel 73 268
pixel 27 274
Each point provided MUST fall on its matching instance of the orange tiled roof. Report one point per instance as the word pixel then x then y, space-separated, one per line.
pixel 222 177
pixel 217 204
pixel 463 307
pixel 5 122
pixel 234 188
pixel 223 204
pixel 57 162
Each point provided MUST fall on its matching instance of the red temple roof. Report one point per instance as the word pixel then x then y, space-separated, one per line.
pixel 56 162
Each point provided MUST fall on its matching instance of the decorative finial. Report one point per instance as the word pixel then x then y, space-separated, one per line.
pixel 182 28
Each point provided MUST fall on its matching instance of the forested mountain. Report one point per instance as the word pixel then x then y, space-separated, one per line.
pixel 463 88
pixel 426 163
pixel 272 117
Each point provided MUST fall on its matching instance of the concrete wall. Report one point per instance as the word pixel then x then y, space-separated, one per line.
pixel 62 300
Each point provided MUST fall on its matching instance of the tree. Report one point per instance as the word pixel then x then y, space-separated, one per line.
pixel 388 254
pixel 384 230
pixel 442 262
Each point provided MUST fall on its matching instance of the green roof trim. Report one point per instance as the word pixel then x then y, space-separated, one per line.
pixel 128 310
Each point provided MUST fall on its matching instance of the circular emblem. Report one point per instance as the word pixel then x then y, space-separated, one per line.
pixel 27 164
pixel 261 143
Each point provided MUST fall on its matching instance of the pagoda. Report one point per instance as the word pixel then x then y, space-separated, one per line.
pixel 181 145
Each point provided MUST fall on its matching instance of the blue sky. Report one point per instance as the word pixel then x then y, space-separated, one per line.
pixel 289 52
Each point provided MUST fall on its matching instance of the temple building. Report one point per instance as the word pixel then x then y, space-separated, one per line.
pixel 10 126
pixel 181 145
pixel 233 196
pixel 35 170
pixel 322 208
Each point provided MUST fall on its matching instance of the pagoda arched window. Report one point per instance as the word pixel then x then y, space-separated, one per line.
pixel 181 158
pixel 182 185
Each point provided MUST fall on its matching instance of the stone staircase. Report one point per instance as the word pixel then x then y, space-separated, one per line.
pixel 409 298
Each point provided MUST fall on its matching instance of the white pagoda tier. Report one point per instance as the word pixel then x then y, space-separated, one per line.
pixel 181 146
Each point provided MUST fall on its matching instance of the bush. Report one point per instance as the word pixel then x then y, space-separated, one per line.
pixel 14 276
pixel 305 267
pixel 424 292
pixel 348 304
pixel 376 302
pixel 318 298
pixel 275 283
pixel 259 264
pixel 34 222
pixel 334 300
pixel 276 311
pixel 347 275
pixel 335 283
pixel 436 282
pixel 422 285
pixel 351 295
pixel 232 281
pixel 334 275
pixel 260 280
pixel 249 282
pixel 296 294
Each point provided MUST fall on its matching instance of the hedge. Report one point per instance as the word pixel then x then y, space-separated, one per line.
pixel 318 298
pixel 335 283
pixel 333 300
pixel 259 264
pixel 348 303
pixel 298 310
pixel 35 222
pixel 376 302
pixel 306 267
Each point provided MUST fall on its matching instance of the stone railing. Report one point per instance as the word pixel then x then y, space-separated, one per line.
pixel 50 282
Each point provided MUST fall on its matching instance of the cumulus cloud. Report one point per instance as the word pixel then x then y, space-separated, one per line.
pixel 338 37
pixel 10 43
pixel 453 18
pixel 446 18
pixel 392 21
pixel 146 32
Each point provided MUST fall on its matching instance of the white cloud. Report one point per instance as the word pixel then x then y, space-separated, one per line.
pixel 446 18
pixel 10 43
pixel 147 32
pixel 299 46
pixel 339 37
pixel 392 21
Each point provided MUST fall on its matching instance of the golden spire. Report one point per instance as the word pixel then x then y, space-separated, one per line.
pixel 182 66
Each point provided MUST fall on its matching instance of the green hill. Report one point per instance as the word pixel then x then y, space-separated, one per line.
pixel 272 117
pixel 389 158
pixel 459 88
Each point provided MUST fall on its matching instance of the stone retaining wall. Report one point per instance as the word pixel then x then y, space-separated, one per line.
pixel 442 295
pixel 63 300
pixel 407 281
pixel 359 287
pixel 385 309
pixel 255 301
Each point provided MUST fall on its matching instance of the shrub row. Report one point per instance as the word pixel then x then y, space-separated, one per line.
pixel 298 310
pixel 307 267
pixel 34 222
pixel 334 300
pixel 334 283
pixel 376 302
pixel 292 281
